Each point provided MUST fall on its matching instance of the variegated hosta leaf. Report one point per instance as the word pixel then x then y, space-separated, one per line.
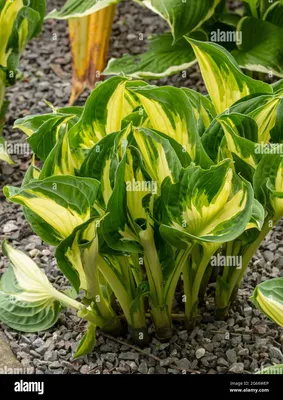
pixel 78 258
pixel 136 118
pixel 149 159
pixel 158 156
pixel 242 125
pixel 261 48
pixel 160 60
pixel 212 205
pixel 139 184
pixel 28 301
pixel 277 87
pixel 223 78
pixel 19 22
pixel 267 118
pixel 102 161
pixel 43 140
pixel 32 173
pixel 203 109
pixel 87 342
pixel 62 160
pixel 107 106
pixel 265 110
pixel 118 229
pixel 268 297
pixel 57 204
pixel 69 256
pixel 170 111
pixel 134 192
pixel 268 181
pixel 243 151
pixel 4 155
pixel 48 136
pixel 258 216
pixel 80 8
pixel 276 133
pixel 31 123
pixel 182 17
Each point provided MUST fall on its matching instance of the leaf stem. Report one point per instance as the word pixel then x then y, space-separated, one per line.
pixel 192 283
pixel 225 290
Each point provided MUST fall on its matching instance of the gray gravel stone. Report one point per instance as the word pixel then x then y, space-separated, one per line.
pixel 243 352
pixel 143 369
pixel 254 365
pixel 10 227
pixel 269 256
pixel 231 356
pixel 276 353
pixel 160 370
pixel 184 363
pixel 222 362
pixel 173 371
pixel 200 353
pixel 55 364
pixel 165 362
pixel 51 356
pixel 129 356
pixel 237 368
pixel 85 369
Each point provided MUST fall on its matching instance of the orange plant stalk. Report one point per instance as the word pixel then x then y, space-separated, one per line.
pixel 90 37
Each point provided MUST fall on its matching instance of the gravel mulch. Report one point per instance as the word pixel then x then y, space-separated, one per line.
pixel 242 344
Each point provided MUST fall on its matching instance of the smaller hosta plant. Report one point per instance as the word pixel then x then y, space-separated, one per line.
pixel 20 21
pixel 252 33
pixel 145 185
pixel 268 297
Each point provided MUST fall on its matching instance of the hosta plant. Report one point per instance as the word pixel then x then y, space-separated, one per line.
pixel 268 298
pixel 20 21
pixel 140 190
pixel 251 33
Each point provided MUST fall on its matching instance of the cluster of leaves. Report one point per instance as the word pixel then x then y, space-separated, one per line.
pixel 144 184
pixel 20 21
pixel 268 297
pixel 252 33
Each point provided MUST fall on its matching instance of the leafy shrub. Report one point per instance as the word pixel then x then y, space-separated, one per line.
pixel 20 21
pixel 142 185
pixel 252 33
